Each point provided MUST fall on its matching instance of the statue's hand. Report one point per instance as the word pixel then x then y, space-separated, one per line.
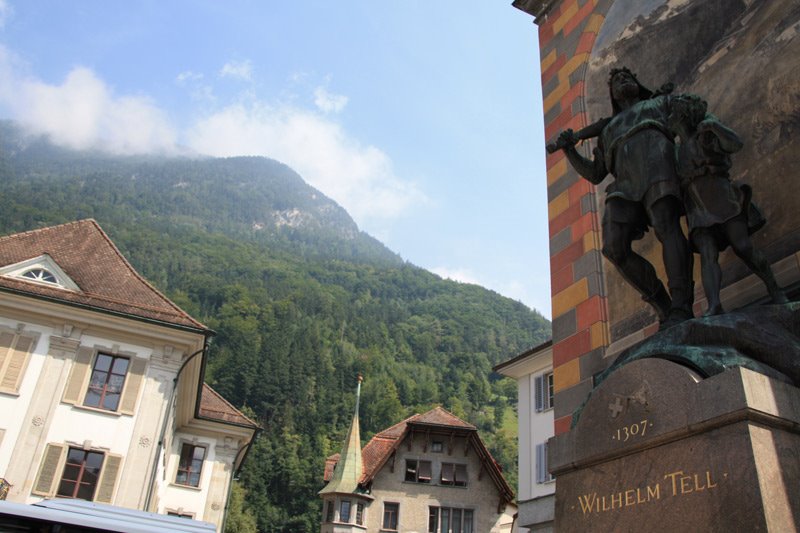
pixel 566 140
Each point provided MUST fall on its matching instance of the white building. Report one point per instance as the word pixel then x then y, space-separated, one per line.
pixel 101 384
pixel 533 371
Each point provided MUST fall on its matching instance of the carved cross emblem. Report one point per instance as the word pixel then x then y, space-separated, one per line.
pixel 615 407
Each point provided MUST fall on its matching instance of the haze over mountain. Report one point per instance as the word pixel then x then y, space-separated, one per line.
pixel 301 300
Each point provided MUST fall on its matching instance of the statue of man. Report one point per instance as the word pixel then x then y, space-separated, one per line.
pixel 719 212
pixel 637 148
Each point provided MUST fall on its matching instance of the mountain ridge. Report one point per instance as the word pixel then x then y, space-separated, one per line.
pixel 300 305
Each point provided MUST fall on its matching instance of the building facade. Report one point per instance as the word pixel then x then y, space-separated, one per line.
pixel 428 473
pixel 533 371
pixel 101 384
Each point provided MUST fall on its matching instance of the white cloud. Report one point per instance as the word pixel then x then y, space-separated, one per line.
pixel 83 112
pixel 5 12
pixel 358 177
pixel 242 70
pixel 462 275
pixel 328 102
pixel 187 76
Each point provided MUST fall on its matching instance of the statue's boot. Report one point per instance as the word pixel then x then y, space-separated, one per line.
pixel 681 308
pixel 660 302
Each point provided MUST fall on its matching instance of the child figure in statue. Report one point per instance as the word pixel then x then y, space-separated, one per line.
pixel 718 212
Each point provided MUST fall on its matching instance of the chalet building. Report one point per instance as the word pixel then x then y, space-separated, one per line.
pixel 533 371
pixel 101 384
pixel 428 473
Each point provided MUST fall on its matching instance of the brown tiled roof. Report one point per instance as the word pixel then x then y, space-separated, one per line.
pixel 215 407
pixel 439 416
pixel 380 448
pixel 105 278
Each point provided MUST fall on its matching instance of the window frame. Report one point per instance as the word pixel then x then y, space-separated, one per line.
pixel 189 472
pixel 78 481
pixel 417 471
pixel 108 374
pixel 442 517
pixel 359 513
pixel 544 392
pixel 391 510
pixel 342 518
pixel 455 469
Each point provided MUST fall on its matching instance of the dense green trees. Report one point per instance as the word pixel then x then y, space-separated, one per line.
pixel 299 311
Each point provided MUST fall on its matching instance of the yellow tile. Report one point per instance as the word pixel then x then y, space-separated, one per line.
pixel 556 171
pixel 591 241
pixel 555 96
pixel 594 24
pixel 566 375
pixel 598 333
pixel 559 204
pixel 548 60
pixel 559 24
pixel 571 66
pixel 570 297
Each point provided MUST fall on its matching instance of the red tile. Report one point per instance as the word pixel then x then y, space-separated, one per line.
pixel 564 219
pixel 574 92
pixel 590 312
pixel 585 43
pixel 572 347
pixel 584 225
pixel 566 257
pixel 579 17
pixel 561 280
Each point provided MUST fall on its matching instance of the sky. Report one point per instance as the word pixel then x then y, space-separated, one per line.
pixel 422 118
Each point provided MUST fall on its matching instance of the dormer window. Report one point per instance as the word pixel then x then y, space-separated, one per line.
pixel 42 270
pixel 40 274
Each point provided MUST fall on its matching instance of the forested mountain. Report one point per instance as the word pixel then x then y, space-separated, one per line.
pixel 301 301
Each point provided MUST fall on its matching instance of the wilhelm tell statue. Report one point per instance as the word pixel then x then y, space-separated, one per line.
pixel 636 146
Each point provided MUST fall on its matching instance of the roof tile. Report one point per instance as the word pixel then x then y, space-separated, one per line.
pixel 106 280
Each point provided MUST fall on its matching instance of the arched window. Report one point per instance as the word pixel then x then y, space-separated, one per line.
pixel 40 274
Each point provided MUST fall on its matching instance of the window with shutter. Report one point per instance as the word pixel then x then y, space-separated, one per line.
pixel 15 351
pixel 539 393
pixel 132 386
pixel 454 474
pixel 104 381
pixel 108 479
pixel 542 475
pixel 80 475
pixel 75 388
pixel 543 391
pixel 51 461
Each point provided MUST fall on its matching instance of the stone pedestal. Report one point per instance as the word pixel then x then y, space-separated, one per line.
pixel 657 448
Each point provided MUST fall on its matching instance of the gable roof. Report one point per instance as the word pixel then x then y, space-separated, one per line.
pixel 381 447
pixel 105 279
pixel 214 407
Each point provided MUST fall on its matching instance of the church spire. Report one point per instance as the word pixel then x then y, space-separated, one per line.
pixel 347 472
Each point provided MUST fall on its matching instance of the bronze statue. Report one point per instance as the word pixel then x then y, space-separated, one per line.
pixel 636 146
pixel 718 212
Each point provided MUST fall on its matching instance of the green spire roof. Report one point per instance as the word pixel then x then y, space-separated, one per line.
pixel 347 472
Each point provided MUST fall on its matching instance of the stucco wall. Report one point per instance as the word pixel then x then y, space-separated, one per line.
pixel 415 499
